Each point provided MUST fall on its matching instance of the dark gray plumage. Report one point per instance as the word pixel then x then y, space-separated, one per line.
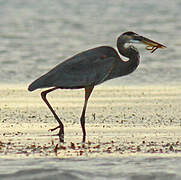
pixel 90 68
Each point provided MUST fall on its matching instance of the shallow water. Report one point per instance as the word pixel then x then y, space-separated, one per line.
pixel 35 36
pixel 131 168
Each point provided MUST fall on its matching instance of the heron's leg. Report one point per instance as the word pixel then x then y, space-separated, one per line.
pixel 88 91
pixel 61 132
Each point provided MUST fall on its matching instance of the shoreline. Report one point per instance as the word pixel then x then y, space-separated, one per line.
pixel 120 121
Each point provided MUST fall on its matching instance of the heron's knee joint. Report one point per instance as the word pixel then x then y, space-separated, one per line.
pixel 43 94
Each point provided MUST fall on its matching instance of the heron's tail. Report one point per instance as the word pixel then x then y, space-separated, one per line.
pixel 32 86
pixel 38 83
pixel 42 82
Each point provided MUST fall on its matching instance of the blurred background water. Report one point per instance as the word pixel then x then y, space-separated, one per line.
pixel 37 35
pixel 131 168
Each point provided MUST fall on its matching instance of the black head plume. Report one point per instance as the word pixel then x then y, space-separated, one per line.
pixel 129 33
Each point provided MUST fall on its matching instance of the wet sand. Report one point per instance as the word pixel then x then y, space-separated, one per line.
pixel 120 122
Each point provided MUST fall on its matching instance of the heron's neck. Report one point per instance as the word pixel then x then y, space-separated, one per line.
pixel 130 52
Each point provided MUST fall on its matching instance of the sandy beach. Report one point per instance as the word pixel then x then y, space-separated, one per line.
pixel 120 121
pixel 132 133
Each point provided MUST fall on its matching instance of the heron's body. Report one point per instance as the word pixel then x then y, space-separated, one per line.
pixel 90 68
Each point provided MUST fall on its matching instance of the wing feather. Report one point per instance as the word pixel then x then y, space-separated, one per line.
pixel 79 71
pixel 83 74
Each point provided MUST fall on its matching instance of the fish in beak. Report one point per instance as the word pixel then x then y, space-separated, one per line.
pixel 151 45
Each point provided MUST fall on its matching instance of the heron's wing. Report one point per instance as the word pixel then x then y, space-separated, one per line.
pixel 76 73
pixel 83 73
pixel 90 67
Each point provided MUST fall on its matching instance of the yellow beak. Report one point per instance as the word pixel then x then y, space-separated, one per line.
pixel 151 45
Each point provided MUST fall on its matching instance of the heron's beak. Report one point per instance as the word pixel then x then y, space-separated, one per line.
pixel 151 45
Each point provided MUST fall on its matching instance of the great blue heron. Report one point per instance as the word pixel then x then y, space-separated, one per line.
pixel 90 68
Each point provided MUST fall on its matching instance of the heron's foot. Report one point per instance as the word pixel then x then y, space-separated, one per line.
pixel 83 139
pixel 61 137
pixel 60 134
pixel 53 129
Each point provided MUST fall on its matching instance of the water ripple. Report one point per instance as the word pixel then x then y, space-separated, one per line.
pixel 56 30
pixel 102 168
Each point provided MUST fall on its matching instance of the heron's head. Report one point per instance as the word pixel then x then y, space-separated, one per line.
pixel 131 37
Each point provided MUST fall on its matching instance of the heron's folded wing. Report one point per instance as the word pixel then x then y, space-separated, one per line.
pixel 84 73
pixel 76 74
